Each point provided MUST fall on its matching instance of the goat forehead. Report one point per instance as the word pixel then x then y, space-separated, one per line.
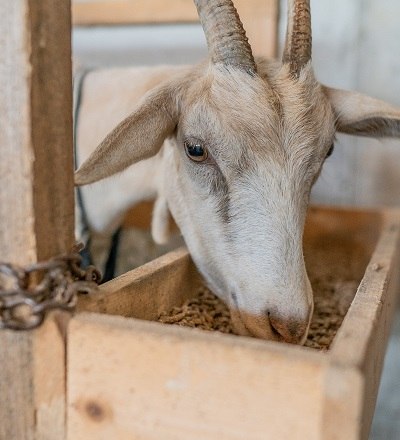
pixel 246 118
pixel 231 121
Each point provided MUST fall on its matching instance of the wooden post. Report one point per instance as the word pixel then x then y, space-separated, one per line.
pixel 36 201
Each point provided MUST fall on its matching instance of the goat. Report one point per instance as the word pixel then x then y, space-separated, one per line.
pixel 231 147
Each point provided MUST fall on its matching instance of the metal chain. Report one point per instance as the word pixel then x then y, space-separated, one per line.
pixel 28 293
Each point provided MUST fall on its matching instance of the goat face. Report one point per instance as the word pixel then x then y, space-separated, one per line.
pixel 245 143
pixel 238 177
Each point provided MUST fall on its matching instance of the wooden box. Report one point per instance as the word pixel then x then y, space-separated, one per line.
pixel 130 378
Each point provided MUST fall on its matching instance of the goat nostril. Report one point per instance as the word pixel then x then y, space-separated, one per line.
pixel 290 330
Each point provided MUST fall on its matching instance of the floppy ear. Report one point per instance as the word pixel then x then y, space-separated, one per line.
pixel 137 137
pixel 364 116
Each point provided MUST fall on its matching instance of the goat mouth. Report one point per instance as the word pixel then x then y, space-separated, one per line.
pixel 236 315
pixel 241 320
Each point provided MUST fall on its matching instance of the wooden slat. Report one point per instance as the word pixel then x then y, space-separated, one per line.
pixel 148 290
pixel 361 342
pixel 32 382
pixel 260 17
pixel 36 200
pixel 88 12
pixel 132 379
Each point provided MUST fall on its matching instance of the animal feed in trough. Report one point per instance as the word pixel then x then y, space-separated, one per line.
pixel 334 287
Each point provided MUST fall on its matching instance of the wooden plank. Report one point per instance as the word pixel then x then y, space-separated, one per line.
pixel 148 290
pixel 150 381
pixel 260 17
pixel 36 200
pixel 36 214
pixel 361 341
pixel 32 382
pixel 91 12
pixel 51 126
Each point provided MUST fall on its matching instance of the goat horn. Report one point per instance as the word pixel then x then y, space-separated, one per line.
pixel 226 37
pixel 298 44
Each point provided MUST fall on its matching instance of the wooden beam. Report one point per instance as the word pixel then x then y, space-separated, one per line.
pixel 36 196
pixel 36 201
pixel 367 327
pixel 260 17
pixel 94 12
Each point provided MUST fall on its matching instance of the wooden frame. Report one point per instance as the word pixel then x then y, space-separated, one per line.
pixel 260 17
pixel 36 201
pixel 148 380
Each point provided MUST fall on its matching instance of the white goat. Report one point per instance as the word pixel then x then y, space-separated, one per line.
pixel 231 148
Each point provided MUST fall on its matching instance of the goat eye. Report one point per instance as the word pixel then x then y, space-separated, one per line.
pixel 196 151
pixel 330 151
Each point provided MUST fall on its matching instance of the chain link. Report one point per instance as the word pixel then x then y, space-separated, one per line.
pixel 28 293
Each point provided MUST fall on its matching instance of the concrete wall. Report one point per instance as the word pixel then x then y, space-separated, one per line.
pixel 356 46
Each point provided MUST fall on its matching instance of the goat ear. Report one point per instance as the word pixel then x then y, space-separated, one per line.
pixel 361 115
pixel 137 137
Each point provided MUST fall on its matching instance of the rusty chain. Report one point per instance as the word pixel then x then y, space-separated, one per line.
pixel 28 293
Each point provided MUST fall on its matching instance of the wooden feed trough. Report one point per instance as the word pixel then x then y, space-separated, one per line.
pixel 108 371
pixel 132 378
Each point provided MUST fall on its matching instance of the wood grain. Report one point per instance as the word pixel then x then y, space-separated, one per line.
pixel 36 201
pixel 260 17
pixel 150 381
pixel 184 383
pixel 362 340
pixel 148 290
pixel 32 382
pixel 36 196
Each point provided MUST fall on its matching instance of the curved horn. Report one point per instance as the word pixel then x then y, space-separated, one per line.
pixel 226 37
pixel 298 44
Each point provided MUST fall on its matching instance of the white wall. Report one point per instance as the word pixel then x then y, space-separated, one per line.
pixel 356 46
pixel 139 45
